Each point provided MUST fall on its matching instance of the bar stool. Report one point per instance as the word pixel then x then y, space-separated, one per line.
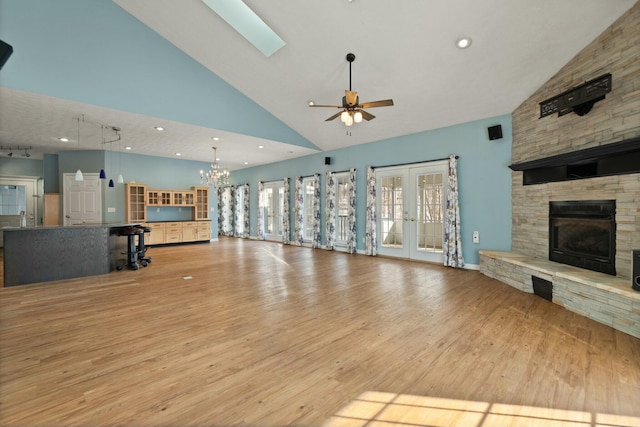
pixel 143 259
pixel 132 248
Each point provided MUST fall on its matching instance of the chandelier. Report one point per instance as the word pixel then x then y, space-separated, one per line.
pixel 216 176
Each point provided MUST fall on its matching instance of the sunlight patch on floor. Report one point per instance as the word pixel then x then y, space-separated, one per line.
pixel 378 409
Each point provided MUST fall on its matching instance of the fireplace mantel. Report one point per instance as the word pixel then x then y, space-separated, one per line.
pixel 616 158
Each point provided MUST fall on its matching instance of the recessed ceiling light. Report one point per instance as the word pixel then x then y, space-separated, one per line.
pixel 463 42
pixel 260 146
pixel 178 154
pixel 215 138
pixel 311 103
pixel 127 148
pixel 64 139
pixel 246 163
pixel 159 128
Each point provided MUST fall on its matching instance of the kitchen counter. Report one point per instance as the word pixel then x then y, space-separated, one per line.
pixel 43 254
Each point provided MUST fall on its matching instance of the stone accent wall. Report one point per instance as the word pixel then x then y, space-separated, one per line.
pixel 613 119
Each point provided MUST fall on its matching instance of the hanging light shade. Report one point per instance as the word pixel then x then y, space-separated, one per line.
pixel 111 184
pixel 103 175
pixel 120 179
pixel 215 177
pixel 349 121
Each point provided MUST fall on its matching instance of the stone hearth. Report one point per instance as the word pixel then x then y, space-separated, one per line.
pixel 604 298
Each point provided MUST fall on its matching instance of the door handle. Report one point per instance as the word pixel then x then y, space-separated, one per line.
pixel 67 216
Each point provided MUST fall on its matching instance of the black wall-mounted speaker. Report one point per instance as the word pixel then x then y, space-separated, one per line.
pixel 327 160
pixel 495 132
pixel 5 52
pixel 635 276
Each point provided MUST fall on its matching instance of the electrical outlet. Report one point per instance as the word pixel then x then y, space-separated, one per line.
pixel 111 210
pixel 476 237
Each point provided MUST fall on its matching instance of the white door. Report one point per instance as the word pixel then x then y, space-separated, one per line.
pixel 17 195
pixel 82 199
pixel 411 202
pixel 274 210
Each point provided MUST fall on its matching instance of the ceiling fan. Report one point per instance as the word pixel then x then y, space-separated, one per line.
pixel 352 110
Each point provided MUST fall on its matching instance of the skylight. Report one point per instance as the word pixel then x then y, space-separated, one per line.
pixel 248 24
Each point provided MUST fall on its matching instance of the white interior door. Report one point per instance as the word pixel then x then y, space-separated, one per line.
pixel 82 199
pixel 274 210
pixel 17 195
pixel 410 206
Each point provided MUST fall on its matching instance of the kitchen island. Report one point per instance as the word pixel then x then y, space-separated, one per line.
pixel 43 254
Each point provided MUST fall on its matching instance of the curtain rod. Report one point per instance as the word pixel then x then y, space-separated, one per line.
pixel 274 180
pixel 413 163
pixel 348 170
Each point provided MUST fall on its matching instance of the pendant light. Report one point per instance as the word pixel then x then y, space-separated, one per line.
pixel 103 174
pixel 79 176
pixel 120 178
pixel 111 185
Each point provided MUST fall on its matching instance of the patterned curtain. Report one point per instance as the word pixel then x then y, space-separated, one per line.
pixel 330 210
pixel 226 205
pixel 452 237
pixel 220 211
pixel 370 244
pixel 351 220
pixel 316 211
pixel 245 208
pixel 286 235
pixel 261 206
pixel 298 211
pixel 236 211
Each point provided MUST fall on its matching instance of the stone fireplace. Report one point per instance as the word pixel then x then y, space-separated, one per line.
pixel 583 234
pixel 614 120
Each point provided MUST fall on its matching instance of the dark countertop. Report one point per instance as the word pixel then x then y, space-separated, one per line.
pixel 58 227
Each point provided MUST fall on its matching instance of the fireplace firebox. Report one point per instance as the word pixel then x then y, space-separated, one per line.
pixel 583 234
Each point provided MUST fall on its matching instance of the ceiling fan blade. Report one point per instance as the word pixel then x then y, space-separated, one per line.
pixel 367 116
pixel 384 103
pixel 331 106
pixel 334 116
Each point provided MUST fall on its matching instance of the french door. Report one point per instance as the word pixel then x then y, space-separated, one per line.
pixel 410 206
pixel 274 210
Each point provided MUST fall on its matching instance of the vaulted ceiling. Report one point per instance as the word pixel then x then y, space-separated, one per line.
pixel 405 50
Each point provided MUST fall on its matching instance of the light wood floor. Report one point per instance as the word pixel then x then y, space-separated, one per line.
pixel 241 332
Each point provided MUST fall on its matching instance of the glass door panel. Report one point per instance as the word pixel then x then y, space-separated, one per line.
pixel 392 213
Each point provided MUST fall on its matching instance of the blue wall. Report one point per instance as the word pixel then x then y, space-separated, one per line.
pixel 484 180
pixel 93 51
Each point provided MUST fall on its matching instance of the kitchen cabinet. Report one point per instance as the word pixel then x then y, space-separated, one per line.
pixel 189 231
pixel 135 202
pixel 178 232
pixel 157 235
pixel 159 197
pixel 173 232
pixel 183 198
pixel 201 208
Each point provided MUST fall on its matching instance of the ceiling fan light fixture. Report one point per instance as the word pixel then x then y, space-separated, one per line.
pixel 349 121
pixel 357 117
pixel 344 116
